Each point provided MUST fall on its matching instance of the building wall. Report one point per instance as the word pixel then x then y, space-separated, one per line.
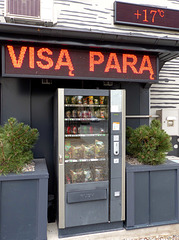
pixel 89 16
pixel 165 94
pixel 97 16
pixel 2 10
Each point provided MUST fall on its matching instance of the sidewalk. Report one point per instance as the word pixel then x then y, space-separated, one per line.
pixel 167 232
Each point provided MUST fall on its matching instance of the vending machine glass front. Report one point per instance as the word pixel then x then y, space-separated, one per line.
pixel 86 138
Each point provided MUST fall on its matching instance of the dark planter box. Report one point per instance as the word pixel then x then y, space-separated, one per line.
pixel 152 195
pixel 23 204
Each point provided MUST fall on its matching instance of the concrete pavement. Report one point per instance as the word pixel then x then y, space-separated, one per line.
pixel 154 233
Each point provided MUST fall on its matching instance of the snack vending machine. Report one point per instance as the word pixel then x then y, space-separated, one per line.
pixel 90 156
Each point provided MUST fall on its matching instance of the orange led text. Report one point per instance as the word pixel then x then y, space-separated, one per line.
pixel 80 63
pixel 43 54
pixel 129 61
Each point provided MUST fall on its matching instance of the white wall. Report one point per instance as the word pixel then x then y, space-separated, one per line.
pixel 165 94
pixel 97 15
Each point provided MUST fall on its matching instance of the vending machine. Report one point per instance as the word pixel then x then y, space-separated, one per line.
pixel 90 157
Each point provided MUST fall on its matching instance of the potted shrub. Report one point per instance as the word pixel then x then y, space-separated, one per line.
pixel 152 181
pixel 23 191
pixel 149 144
pixel 16 142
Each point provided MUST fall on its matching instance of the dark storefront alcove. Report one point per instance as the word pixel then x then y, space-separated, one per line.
pixel 31 101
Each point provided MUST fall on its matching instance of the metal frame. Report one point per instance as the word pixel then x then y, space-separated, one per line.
pixel 61 164
pixel 96 92
pixel 78 78
pixel 123 153
pixel 117 177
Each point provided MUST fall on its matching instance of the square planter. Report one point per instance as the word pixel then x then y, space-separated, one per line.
pixel 152 195
pixel 23 204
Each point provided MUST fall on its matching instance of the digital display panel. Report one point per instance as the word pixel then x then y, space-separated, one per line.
pixel 72 63
pixel 134 14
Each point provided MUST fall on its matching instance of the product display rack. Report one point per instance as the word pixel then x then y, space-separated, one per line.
pixel 86 140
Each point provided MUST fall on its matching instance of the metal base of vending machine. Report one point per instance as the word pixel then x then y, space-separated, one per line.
pixel 90 229
pixel 86 203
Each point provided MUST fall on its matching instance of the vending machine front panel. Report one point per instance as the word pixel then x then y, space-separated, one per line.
pixel 117 156
pixel 85 157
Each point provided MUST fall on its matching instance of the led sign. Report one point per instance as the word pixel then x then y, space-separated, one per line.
pixel 72 63
pixel 133 14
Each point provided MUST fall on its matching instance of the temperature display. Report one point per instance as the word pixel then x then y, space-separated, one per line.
pixel 133 14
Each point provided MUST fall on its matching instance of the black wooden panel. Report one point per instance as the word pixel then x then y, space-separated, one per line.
pixel 137 103
pixel 141 198
pixel 19 222
pixel 42 119
pixel 144 104
pixel 163 195
pixel 15 99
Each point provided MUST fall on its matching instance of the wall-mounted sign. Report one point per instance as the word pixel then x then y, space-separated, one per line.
pixel 134 14
pixel 72 63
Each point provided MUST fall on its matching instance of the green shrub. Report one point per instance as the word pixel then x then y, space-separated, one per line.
pixel 16 142
pixel 148 144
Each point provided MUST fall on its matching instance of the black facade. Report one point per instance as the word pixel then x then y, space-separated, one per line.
pixel 31 99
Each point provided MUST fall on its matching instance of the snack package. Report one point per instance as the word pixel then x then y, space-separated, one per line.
pixel 101 100
pixel 68 114
pixel 91 130
pixel 85 100
pixel 99 174
pixel 102 113
pixel 89 114
pixel 75 130
pixel 89 151
pixel 77 175
pixel 85 114
pixel 96 101
pixel 68 149
pixel 87 175
pixel 68 180
pixel 79 114
pixel 91 100
pixel 74 113
pixel 68 130
pixel 97 114
pixel 79 99
pixel 84 129
pixel 67 100
pixel 99 149
pixel 77 152
pixel 74 100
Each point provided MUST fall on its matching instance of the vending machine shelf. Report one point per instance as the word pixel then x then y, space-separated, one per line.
pixel 85 105
pixel 85 119
pixel 85 160
pixel 85 135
